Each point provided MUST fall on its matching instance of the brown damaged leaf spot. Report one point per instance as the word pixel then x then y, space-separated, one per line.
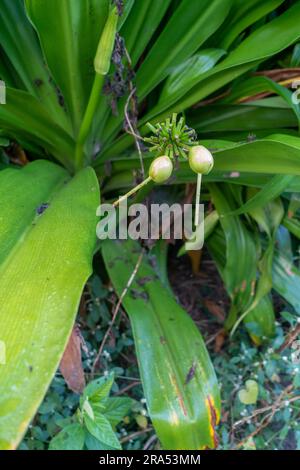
pixel 71 365
pixel 163 340
pixel 136 294
pixel 179 395
pixel 191 373
pixel 152 261
pixel 38 82
pixel 244 286
pixel 213 418
pixel 253 284
pixel 111 264
pixel 146 279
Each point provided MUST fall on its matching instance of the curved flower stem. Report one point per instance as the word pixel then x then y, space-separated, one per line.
pixel 198 193
pixel 132 191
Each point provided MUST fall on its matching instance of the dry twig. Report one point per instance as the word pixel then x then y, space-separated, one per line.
pixel 268 418
pixel 135 434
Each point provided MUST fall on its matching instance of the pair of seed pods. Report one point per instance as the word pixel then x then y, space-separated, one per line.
pixel 200 159
pixel 201 162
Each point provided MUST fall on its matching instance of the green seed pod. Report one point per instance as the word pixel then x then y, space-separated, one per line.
pixel 106 44
pixel 161 169
pixel 201 160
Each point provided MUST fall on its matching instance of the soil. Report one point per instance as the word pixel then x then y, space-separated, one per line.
pixel 201 293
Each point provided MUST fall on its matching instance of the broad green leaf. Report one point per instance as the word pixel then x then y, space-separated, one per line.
pixel 178 379
pixel 116 408
pixel 70 438
pixel 92 443
pixel 98 389
pixel 47 239
pixel 76 27
pixel 249 394
pixel 101 429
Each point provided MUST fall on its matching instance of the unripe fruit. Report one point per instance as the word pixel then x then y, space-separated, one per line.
pixel 201 160
pixel 161 169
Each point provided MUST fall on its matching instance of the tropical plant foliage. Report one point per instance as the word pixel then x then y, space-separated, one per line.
pixel 67 96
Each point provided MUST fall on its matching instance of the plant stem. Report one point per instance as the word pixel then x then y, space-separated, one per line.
pixel 198 192
pixel 132 191
pixel 87 120
pixel 101 65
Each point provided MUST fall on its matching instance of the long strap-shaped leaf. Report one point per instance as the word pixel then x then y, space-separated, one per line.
pixel 36 126
pixel 280 156
pixel 45 259
pixel 76 27
pixel 264 42
pixel 179 382
pixel 28 69
pixel 286 280
pixel 240 273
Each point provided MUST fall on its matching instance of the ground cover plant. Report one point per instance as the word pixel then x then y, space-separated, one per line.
pixel 148 101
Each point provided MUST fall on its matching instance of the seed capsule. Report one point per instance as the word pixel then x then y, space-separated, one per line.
pixel 106 44
pixel 161 169
pixel 201 160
